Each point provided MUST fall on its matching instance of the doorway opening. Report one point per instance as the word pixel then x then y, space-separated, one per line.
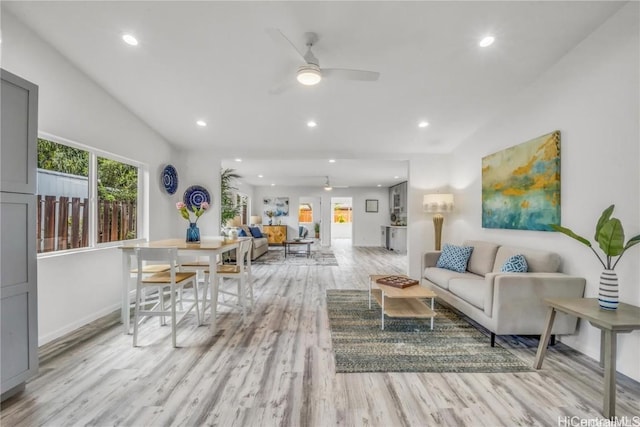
pixel 341 221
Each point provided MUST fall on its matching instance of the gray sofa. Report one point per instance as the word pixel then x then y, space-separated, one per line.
pixel 505 303
pixel 260 244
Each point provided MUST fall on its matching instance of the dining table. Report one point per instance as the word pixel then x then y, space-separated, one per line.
pixel 208 247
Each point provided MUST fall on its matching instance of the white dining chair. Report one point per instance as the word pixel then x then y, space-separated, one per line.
pixel 173 280
pixel 241 273
pixel 199 265
pixel 148 269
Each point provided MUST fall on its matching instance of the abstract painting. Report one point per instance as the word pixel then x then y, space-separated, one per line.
pixel 521 185
pixel 277 206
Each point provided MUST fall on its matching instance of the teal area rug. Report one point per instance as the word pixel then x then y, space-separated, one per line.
pixel 408 345
pixel 319 256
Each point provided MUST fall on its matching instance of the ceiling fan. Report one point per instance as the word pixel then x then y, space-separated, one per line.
pixel 329 187
pixel 310 72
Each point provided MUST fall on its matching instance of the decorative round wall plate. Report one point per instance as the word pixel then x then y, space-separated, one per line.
pixel 170 179
pixel 195 195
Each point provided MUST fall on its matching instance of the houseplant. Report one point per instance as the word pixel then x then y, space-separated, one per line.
pixel 228 209
pixel 193 233
pixel 316 228
pixel 610 237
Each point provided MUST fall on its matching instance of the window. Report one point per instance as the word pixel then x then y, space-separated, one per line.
pixel 66 218
pixel 117 200
pixel 305 213
pixel 63 197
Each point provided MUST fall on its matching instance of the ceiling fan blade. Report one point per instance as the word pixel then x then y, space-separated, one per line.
pixel 346 74
pixel 282 40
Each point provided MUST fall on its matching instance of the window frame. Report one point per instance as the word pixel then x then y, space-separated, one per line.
pixel 92 177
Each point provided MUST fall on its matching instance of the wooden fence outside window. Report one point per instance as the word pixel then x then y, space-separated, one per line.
pixel 63 222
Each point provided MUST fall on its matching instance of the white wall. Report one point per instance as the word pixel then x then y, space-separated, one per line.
pixel 76 288
pixel 201 168
pixel 591 96
pixel 366 225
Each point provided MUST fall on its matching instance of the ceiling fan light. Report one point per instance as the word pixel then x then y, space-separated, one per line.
pixel 309 75
pixel 327 185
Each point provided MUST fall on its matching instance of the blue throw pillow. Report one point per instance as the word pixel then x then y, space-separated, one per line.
pixel 454 257
pixel 255 232
pixel 515 264
pixel 241 233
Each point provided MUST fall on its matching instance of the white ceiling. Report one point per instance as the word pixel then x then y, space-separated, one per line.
pixel 215 61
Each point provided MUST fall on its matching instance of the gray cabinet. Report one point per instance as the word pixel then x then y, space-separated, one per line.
pixel 18 152
pixel 403 198
pixel 398 199
pixel 398 239
pixel 18 287
pixel 383 237
pixel 394 238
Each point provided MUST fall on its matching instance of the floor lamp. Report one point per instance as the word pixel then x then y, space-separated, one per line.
pixel 437 204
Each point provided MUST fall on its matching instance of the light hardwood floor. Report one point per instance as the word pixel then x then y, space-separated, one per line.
pixel 279 370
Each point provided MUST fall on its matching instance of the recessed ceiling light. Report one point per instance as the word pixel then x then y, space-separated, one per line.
pixel 238 160
pixel 379 185
pixel 332 160
pixel 201 123
pixel 423 124
pixel 260 176
pixel 396 177
pixel 311 124
pixel 487 41
pixel 130 40
pixel 273 185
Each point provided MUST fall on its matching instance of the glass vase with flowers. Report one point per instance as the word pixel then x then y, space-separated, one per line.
pixel 193 232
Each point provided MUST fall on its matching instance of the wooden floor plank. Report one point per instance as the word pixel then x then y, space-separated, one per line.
pixel 277 368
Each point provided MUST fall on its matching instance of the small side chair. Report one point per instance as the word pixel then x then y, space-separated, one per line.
pixel 241 272
pixel 173 280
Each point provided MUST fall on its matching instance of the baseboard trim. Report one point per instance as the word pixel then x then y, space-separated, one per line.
pixel 71 339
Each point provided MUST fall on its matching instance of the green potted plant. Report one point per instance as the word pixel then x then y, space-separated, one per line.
pixel 228 209
pixel 610 237
pixel 316 228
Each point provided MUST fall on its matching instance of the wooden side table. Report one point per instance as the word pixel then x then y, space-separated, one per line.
pixel 289 243
pixel 610 322
pixel 401 302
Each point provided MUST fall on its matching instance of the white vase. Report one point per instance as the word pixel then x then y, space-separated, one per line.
pixel 608 292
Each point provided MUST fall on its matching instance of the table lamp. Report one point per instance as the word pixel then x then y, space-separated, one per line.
pixel 256 219
pixel 437 204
